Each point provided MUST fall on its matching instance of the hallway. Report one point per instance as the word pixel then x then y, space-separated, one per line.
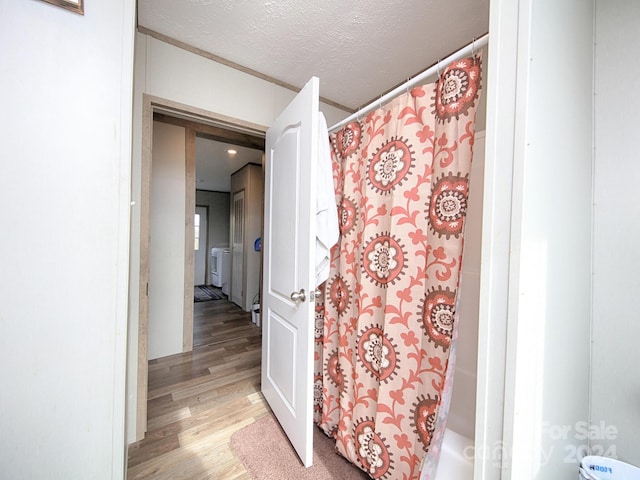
pixel 198 400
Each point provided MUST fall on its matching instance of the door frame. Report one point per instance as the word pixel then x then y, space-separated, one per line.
pixel 199 122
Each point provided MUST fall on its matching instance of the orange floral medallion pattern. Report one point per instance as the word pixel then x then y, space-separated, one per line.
pixel 401 177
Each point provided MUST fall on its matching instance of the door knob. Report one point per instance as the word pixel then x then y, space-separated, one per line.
pixel 298 296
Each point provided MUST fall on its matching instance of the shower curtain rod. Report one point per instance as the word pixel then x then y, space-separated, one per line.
pixel 463 52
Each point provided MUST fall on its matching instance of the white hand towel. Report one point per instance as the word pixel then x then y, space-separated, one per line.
pixel 327 229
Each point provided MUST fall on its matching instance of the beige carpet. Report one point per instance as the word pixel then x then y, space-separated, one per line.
pixel 268 455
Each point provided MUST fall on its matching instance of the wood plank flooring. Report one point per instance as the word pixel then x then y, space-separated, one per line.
pixel 197 400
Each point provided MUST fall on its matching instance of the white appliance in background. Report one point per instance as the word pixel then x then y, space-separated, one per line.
pixel 221 268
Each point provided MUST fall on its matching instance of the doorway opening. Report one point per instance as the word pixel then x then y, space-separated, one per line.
pixel 197 123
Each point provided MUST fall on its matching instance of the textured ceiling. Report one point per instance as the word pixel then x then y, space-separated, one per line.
pixel 359 49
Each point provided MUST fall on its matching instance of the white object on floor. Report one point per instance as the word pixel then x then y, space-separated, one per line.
pixel 593 467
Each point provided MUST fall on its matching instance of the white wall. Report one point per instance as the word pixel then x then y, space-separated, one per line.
pixel 167 248
pixel 185 77
pixel 217 223
pixel 539 131
pixel 64 190
pixel 615 392
pixel 218 203
pixel 552 237
pixel 173 74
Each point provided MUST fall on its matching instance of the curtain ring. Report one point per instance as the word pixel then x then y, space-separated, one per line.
pixel 438 69
pixel 473 47
pixel 407 84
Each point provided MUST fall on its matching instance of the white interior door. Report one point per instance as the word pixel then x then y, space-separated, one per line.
pixel 200 247
pixel 237 249
pixel 288 280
